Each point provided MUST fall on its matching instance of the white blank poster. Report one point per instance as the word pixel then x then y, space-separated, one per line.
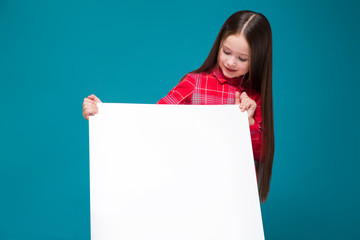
pixel 172 172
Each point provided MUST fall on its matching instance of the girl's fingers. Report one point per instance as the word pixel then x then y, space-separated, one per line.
pixel 242 107
pixel 243 95
pixel 94 98
pixel 237 98
pixel 97 100
pixel 86 100
pixel 90 106
pixel 86 114
pixel 89 110
pixel 248 103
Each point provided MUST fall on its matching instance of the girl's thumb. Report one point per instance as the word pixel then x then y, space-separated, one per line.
pixel 94 98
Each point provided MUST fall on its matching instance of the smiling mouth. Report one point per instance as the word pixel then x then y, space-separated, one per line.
pixel 230 70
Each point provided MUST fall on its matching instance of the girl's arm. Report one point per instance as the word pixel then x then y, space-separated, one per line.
pixel 182 93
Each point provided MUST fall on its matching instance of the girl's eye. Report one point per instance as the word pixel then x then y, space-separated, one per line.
pixel 227 53
pixel 241 59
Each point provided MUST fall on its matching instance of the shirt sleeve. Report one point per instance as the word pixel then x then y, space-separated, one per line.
pixel 256 129
pixel 181 94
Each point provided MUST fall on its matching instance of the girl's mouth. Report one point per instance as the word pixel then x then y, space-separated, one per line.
pixel 230 70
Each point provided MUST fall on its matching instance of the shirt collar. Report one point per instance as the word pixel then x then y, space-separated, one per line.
pixel 223 79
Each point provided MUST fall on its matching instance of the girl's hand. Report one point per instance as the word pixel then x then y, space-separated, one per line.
pixel 246 103
pixel 90 106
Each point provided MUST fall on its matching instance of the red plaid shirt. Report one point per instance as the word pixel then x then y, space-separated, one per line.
pixel 216 89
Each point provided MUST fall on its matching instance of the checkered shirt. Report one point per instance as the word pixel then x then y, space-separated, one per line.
pixel 215 89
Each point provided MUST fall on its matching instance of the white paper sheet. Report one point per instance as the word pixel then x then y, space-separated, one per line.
pixel 172 172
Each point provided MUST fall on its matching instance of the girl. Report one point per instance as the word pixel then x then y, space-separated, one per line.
pixel 237 70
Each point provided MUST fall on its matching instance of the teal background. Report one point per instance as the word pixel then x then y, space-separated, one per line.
pixel 55 53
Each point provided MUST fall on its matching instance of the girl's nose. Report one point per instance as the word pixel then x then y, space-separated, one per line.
pixel 232 62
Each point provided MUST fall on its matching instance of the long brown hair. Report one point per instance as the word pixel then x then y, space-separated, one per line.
pixel 257 31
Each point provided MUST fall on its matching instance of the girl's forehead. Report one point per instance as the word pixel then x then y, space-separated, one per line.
pixel 236 43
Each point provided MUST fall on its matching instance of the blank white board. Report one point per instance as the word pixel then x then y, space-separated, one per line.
pixel 174 172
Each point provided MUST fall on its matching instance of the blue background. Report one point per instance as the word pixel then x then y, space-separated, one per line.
pixel 55 53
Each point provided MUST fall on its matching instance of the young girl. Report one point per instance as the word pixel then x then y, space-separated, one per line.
pixel 238 70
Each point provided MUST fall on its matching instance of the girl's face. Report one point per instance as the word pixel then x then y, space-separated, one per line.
pixel 234 56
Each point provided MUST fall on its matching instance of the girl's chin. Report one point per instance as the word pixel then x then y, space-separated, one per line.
pixel 229 74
